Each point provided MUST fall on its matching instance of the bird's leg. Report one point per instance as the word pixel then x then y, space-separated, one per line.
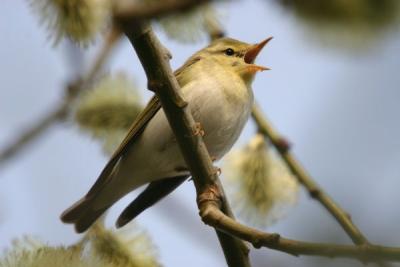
pixel 217 171
pixel 198 130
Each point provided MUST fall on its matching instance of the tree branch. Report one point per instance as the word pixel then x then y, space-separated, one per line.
pixel 161 80
pixel 314 190
pixel 61 110
pixel 31 134
pixel 212 216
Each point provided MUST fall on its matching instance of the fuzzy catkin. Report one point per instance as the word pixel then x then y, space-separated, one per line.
pixel 107 111
pixel 98 248
pixel 29 252
pixel 79 20
pixel 354 24
pixel 261 186
pixel 129 246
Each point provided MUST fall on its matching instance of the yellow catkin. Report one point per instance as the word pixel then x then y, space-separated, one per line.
pixel 107 111
pixel 29 252
pixel 346 24
pixel 99 248
pixel 79 20
pixel 260 185
pixel 129 246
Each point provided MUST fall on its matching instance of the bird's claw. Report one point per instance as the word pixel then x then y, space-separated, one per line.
pixel 198 130
pixel 283 145
pixel 217 171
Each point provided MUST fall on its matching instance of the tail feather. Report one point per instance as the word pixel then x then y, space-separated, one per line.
pixel 73 213
pixel 82 215
pixel 84 222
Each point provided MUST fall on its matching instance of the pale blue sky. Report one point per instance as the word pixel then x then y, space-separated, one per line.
pixel 339 107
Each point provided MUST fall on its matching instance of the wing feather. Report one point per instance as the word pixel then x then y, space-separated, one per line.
pixel 135 130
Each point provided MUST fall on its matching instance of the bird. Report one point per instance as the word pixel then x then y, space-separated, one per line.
pixel 216 83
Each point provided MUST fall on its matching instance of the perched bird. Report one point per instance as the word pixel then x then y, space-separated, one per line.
pixel 216 82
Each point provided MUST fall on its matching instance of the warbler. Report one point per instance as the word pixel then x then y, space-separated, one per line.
pixel 216 82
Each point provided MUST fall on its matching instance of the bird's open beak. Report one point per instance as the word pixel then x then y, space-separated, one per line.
pixel 252 53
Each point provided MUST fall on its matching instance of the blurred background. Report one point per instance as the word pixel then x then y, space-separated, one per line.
pixel 333 91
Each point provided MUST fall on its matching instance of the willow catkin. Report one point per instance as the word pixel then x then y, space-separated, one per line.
pixel 129 246
pixel 79 20
pixel 260 185
pixel 107 110
pixel 361 13
pixel 28 252
pixel 346 24
pixel 99 248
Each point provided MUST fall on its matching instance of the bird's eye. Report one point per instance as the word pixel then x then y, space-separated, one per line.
pixel 229 52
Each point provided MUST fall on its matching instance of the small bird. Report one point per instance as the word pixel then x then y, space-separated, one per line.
pixel 216 82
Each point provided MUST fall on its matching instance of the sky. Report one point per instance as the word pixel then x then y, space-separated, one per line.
pixel 338 105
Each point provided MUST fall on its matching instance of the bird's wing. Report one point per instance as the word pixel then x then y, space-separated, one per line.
pixel 136 129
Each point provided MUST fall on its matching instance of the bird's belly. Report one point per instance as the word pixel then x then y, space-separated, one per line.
pixel 222 129
pixel 221 119
pixel 222 115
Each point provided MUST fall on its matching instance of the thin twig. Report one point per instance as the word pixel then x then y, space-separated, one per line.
pixel 212 216
pixel 35 131
pixel 59 112
pixel 316 192
pixel 162 81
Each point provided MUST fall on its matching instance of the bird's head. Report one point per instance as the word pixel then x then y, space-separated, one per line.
pixel 236 56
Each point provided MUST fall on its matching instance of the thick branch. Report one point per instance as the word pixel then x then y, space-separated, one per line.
pixel 61 110
pixel 162 81
pixel 314 190
pixel 212 216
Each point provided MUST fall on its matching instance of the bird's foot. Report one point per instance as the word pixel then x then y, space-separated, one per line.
pixel 217 171
pixel 198 130
pixel 283 145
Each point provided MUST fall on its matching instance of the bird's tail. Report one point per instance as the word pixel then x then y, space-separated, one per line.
pixel 82 215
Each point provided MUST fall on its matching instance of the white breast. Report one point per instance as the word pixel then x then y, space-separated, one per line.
pixel 222 106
